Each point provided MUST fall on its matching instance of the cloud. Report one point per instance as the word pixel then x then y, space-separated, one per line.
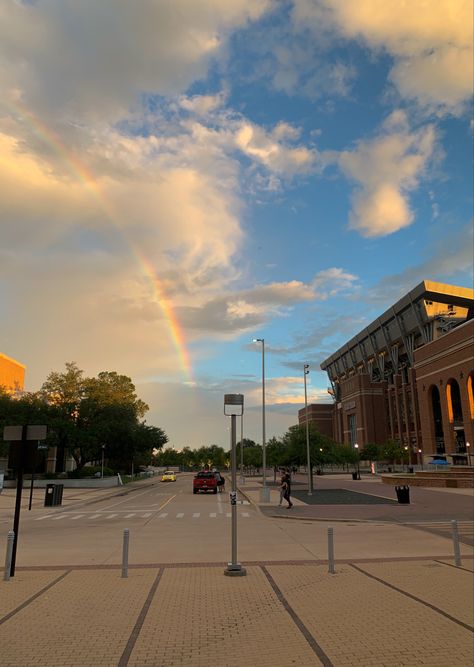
pixel 431 42
pixel 87 58
pixel 386 169
pixel 238 311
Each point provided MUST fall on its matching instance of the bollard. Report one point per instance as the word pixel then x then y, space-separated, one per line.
pixel 8 557
pixel 457 550
pixel 126 539
pixel 331 569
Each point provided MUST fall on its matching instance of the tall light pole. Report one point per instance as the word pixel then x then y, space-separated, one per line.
pixel 420 452
pixel 308 455
pixel 102 467
pixel 265 494
pixel 242 476
pixel 468 450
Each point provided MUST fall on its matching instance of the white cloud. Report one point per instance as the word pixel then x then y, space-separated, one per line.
pixel 431 42
pixel 386 169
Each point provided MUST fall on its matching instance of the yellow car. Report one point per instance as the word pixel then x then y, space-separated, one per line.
pixel 168 476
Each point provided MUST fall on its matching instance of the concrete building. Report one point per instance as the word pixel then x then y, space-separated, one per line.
pixel 12 374
pixel 377 377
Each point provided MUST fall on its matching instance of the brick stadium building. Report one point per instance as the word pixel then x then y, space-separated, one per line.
pixel 12 374
pixel 408 377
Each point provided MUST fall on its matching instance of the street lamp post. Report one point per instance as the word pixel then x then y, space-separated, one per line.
pixel 233 407
pixel 468 450
pixel 308 455
pixel 265 493
pixel 420 452
pixel 102 467
pixel 356 447
pixel 407 454
pixel 242 476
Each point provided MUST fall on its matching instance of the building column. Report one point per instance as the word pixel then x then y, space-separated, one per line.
pixel 448 426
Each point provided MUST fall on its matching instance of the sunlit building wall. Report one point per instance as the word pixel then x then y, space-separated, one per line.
pixel 12 374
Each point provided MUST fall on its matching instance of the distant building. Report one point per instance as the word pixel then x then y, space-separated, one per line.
pixel 12 374
pixel 408 377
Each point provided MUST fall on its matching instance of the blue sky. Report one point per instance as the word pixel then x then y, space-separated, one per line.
pixel 177 179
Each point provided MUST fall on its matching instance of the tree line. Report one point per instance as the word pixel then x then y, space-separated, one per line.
pixel 87 417
pixel 286 451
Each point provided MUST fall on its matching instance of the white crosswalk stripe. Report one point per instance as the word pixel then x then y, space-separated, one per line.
pixel 131 515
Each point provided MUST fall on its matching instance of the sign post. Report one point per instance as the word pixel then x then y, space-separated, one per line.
pixel 234 407
pixel 21 435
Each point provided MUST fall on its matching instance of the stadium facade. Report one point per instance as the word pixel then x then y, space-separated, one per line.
pixel 407 377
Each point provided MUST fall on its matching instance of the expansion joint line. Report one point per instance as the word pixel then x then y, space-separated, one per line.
pixel 34 597
pixel 125 657
pixel 297 621
pixel 466 626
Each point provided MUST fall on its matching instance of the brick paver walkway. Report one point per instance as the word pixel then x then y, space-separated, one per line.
pixel 370 614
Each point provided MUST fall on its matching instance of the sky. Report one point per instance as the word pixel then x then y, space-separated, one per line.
pixel 180 178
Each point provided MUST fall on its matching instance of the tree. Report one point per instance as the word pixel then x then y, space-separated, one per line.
pixel 371 452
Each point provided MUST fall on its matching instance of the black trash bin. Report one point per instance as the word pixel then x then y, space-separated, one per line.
pixel 53 495
pixel 403 494
pixel 410 469
pixel 354 475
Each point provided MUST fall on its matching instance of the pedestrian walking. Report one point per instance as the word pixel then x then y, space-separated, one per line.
pixel 282 489
pixel 286 484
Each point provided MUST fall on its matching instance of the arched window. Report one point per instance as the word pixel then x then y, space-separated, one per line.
pixel 470 396
pixel 437 420
pixel 453 398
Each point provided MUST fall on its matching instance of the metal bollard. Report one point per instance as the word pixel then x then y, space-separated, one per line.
pixel 126 540
pixel 457 550
pixel 331 569
pixel 8 557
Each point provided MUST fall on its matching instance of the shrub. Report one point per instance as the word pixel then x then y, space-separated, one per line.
pixel 90 471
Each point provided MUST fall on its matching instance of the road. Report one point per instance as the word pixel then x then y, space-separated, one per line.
pixel 168 524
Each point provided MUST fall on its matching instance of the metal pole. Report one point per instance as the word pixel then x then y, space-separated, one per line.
pixel 331 569
pixel 264 454
pixel 102 472
pixel 126 540
pixel 242 477
pixel 308 455
pixel 457 550
pixel 8 557
pixel 233 508
pixel 234 568
pixel 19 489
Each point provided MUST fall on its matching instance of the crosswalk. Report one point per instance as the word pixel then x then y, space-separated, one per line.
pixel 107 516
pixel 444 529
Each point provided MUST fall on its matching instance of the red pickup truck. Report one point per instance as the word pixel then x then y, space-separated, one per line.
pixel 207 480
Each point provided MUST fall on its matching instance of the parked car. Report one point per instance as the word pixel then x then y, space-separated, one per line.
pixel 168 476
pixel 205 480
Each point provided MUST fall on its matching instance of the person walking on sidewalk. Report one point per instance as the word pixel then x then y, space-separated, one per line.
pixel 286 485
pixel 282 488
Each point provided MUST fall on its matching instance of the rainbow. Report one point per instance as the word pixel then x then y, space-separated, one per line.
pixel 83 173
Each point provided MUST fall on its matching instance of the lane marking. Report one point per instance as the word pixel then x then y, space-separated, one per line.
pixel 179 515
pixel 57 518
pixel 111 516
pixel 145 516
pixel 213 515
pixel 46 516
pixel 96 516
pixel 79 516
pixel 219 504
pixel 129 516
pixel 228 514
pixel 196 515
pixel 163 516
pixel 245 514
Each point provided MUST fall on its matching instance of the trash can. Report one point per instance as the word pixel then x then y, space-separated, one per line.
pixel 354 475
pixel 53 495
pixel 403 494
pixel 410 469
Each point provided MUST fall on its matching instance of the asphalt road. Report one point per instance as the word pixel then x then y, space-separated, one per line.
pixel 168 524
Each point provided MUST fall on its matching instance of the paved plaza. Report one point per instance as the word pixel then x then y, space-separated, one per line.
pixel 396 597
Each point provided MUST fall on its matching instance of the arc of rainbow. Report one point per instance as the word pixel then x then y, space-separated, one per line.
pixel 87 177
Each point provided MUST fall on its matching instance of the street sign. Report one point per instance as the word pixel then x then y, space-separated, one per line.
pixel 33 432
